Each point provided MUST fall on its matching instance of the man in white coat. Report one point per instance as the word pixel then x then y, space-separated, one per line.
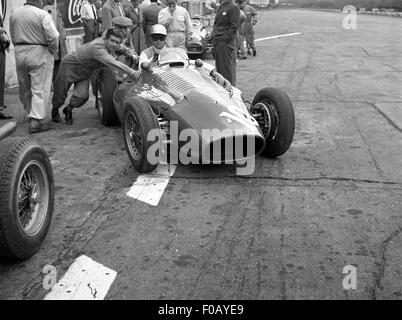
pixel 177 23
pixel 36 39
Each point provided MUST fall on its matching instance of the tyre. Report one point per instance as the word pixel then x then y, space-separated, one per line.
pixel 106 84
pixel 274 113
pixel 26 198
pixel 139 119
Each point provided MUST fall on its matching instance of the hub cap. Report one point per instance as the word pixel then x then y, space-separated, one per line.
pixel 267 118
pixel 32 198
pixel 133 136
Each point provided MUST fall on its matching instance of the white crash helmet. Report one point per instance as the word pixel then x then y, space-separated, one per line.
pixel 158 29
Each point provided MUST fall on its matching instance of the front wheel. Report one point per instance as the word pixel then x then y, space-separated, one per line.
pixel 274 113
pixel 26 198
pixel 139 120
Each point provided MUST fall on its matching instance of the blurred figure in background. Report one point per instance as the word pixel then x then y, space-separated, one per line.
pixel 251 20
pixel 150 15
pixel 137 33
pixel 99 5
pixel 177 23
pixel 89 18
pixel 58 22
pixel 4 45
pixel 241 49
pixel 110 10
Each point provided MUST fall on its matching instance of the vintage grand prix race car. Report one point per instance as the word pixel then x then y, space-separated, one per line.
pixel 178 94
pixel 200 44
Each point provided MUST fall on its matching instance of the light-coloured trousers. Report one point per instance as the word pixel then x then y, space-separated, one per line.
pixel 35 71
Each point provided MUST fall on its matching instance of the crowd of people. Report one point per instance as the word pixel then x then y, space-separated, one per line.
pixel 117 34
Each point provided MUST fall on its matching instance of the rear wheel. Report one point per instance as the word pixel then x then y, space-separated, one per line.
pixel 274 113
pixel 139 120
pixel 106 84
pixel 26 198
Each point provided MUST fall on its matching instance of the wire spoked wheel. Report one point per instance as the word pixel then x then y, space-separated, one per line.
pixel 267 117
pixel 32 198
pixel 133 135
pixel 26 197
pixel 273 110
pixel 139 124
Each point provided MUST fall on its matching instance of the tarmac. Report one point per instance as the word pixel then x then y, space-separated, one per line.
pixel 287 231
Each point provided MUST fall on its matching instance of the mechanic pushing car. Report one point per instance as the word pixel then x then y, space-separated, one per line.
pixel 77 68
pixel 158 40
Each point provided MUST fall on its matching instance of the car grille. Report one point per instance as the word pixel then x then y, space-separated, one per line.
pixel 176 83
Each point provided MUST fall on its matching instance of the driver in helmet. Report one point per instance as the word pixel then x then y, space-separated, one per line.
pixel 158 42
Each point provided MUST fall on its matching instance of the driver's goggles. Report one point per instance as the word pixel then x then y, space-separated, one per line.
pixel 158 37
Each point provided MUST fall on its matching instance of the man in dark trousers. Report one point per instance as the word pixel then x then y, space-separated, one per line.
pixel 227 21
pixel 4 44
pixel 150 15
pixel 89 17
pixel 77 68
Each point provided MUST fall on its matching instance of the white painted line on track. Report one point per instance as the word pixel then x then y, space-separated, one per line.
pixel 84 280
pixel 278 36
pixel 149 188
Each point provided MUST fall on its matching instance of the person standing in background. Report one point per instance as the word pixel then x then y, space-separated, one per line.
pixel 58 22
pixel 177 23
pixel 89 19
pixel 36 40
pixel 110 10
pixel 98 5
pixel 150 14
pixel 251 20
pixel 137 33
pixel 241 49
pixel 4 45
pixel 224 33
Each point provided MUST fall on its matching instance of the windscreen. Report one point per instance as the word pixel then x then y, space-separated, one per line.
pixel 173 55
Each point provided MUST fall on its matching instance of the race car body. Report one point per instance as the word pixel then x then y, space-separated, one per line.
pixel 178 96
pixel 199 43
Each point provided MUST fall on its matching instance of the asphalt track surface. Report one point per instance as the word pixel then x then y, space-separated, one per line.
pixel 285 232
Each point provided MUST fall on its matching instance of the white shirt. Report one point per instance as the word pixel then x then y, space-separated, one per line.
pixel 147 55
pixel 88 11
pixel 31 25
pixel 181 20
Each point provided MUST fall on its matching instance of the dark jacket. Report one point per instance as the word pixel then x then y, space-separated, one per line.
pixel 150 14
pixel 58 22
pixel 227 21
pixel 109 11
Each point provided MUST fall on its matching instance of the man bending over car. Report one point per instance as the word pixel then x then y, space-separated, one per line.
pixel 76 68
pixel 158 43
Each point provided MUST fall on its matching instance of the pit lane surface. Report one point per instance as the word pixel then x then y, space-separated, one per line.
pixel 287 231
